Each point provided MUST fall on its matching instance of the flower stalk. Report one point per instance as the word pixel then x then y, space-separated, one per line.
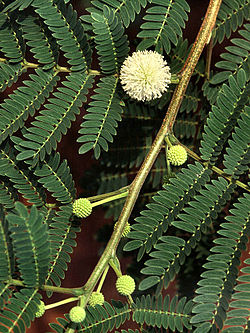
pixel 109 194
pixel 114 197
pixel 59 303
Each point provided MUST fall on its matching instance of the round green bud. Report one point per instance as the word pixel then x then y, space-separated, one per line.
pixel 126 229
pixel 77 314
pixel 40 310
pixel 125 285
pixel 177 155
pixel 96 298
pixel 82 207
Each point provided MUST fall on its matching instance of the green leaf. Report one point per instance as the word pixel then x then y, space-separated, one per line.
pixel 28 228
pixel 148 282
pixel 132 245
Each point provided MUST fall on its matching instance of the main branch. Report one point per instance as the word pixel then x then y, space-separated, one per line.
pixel 168 122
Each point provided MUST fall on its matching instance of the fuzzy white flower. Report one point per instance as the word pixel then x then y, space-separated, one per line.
pixel 145 75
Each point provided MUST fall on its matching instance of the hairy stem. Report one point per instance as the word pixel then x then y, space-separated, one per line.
pixel 168 122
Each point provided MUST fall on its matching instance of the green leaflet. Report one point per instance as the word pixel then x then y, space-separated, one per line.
pixel 62 236
pixel 47 130
pixel 237 157
pixel 99 125
pixel 233 61
pixel 5 293
pixel 24 101
pixel 42 44
pixel 236 58
pixel 20 310
pixel 239 309
pixel 27 228
pixel 164 25
pixel 125 9
pixel 170 252
pixel 230 17
pixel 7 199
pixel 6 263
pixel 62 21
pixel 173 314
pixel 56 178
pixel 220 268
pixel 100 318
pixel 165 207
pixel 229 102
pixel 166 313
pixel 18 4
pixel 12 44
pixel 9 74
pixel 112 44
pixel 23 180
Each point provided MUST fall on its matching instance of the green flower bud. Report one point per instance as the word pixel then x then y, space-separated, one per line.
pixel 96 298
pixel 77 314
pixel 41 310
pixel 177 155
pixel 126 229
pixel 125 285
pixel 82 207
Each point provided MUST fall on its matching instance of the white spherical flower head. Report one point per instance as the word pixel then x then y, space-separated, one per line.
pixel 145 75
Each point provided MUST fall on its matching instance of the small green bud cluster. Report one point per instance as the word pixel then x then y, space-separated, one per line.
pixel 41 310
pixel 177 155
pixel 82 207
pixel 126 229
pixel 77 314
pixel 96 298
pixel 125 285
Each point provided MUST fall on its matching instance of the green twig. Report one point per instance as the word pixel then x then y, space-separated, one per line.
pixel 114 197
pixel 65 301
pixel 102 279
pixel 27 64
pixel 70 291
pixel 115 268
pixel 109 194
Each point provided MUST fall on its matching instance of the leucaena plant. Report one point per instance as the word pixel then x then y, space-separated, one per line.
pixel 156 116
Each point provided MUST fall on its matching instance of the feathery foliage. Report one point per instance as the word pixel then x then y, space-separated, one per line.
pixel 221 270
pixel 165 21
pixel 124 10
pixel 31 244
pixel 24 101
pixel 230 17
pixel 19 312
pixel 47 129
pixel 111 46
pixel 224 114
pixel 100 122
pixel 60 65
